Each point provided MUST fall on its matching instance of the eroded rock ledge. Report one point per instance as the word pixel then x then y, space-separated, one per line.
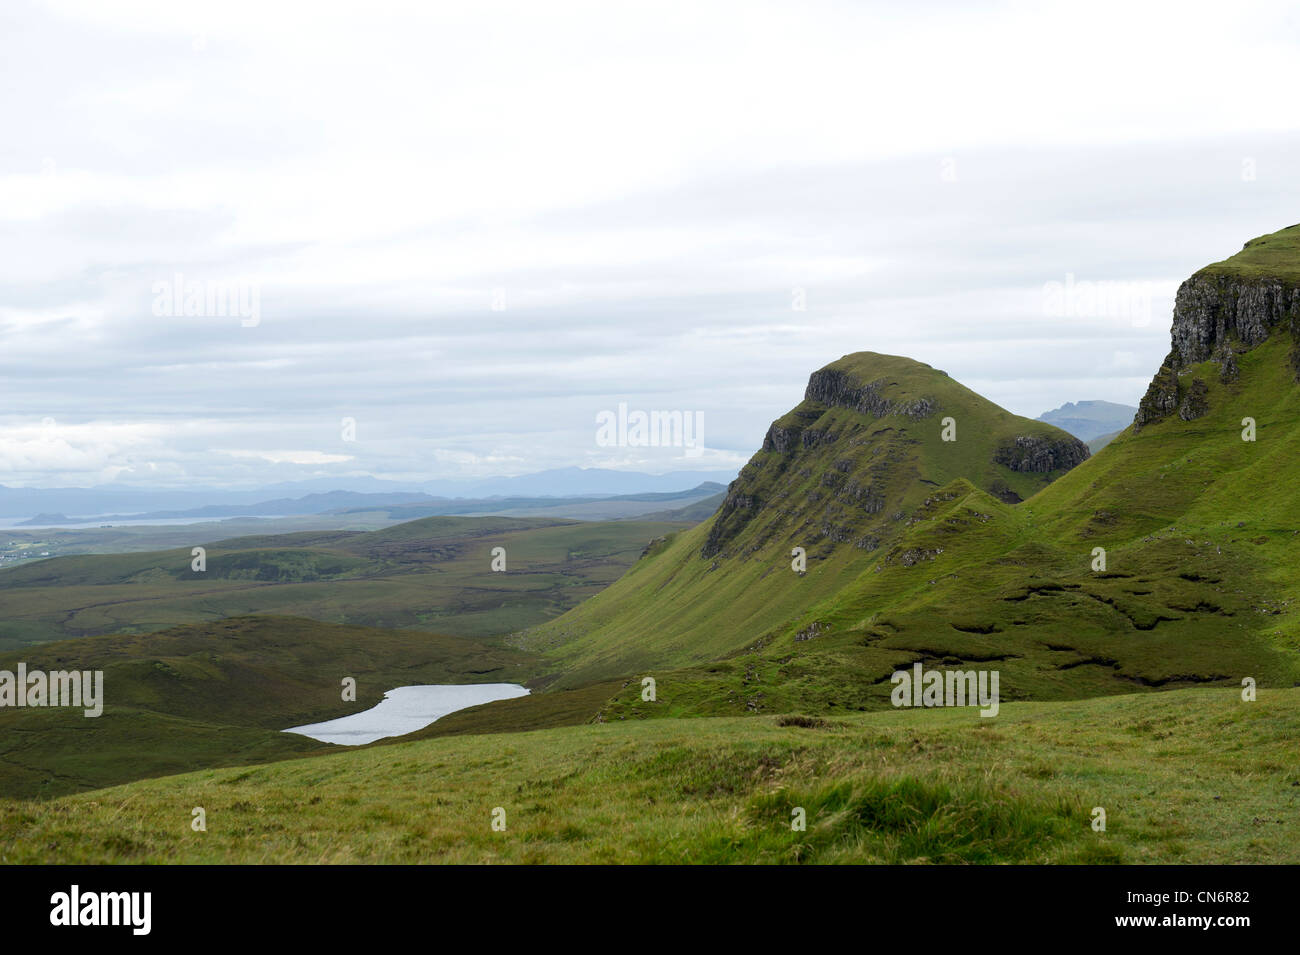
pixel 1217 316
pixel 838 389
pixel 1041 455
pixel 1211 311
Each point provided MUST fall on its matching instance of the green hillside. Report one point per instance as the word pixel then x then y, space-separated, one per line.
pixel 843 476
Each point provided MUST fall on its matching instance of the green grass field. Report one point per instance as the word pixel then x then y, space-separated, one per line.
pixel 1186 776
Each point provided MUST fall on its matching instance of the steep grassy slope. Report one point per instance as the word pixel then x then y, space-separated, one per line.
pixel 841 476
pixel 217 695
pixel 432 574
pixel 1194 776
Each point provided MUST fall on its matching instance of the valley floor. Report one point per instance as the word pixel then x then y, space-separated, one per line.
pixel 1183 776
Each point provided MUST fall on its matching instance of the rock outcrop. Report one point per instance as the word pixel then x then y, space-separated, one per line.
pixel 1195 402
pixel 1227 359
pixel 837 389
pixel 737 510
pixel 1211 310
pixel 1161 399
pixel 1036 454
pixel 785 440
pixel 1218 314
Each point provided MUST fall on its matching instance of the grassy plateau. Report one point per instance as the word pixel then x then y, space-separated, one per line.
pixel 430 574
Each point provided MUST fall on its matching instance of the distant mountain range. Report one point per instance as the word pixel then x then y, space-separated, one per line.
pixel 280 507
pixel 667 505
pixel 321 495
pixel 1090 420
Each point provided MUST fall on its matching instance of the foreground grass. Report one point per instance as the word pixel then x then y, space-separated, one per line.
pixel 1185 776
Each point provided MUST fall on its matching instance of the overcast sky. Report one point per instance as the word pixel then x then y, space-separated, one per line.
pixel 472 227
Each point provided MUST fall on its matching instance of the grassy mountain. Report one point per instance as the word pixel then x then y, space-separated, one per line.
pixel 920 550
pixel 843 476
pixel 1199 528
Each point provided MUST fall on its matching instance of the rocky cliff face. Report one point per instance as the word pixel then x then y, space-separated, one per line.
pixel 1218 315
pixel 1036 454
pixel 1161 399
pixel 837 389
pixel 1212 312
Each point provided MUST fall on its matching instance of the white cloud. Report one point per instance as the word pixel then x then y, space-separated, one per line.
pixel 291 457
pixel 647 184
